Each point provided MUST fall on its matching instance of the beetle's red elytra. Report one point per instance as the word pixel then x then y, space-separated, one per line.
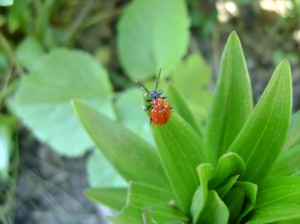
pixel 161 109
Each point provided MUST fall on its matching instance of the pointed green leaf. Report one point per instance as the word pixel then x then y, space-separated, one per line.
pixel 114 198
pixel 181 150
pixel 179 104
pixel 285 190
pixel 275 213
pixel 229 165
pixel 235 201
pixel 144 33
pixel 293 137
pixel 205 172
pixel 262 137
pixel 288 163
pixel 278 199
pixel 149 200
pixel 43 98
pixel 215 211
pixel 232 102
pixel 250 197
pixel 226 186
pixel 132 157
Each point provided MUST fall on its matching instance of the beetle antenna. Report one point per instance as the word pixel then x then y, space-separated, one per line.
pixel 157 79
pixel 142 86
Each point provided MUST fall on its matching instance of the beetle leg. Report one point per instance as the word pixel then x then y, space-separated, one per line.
pixel 148 107
pixel 164 97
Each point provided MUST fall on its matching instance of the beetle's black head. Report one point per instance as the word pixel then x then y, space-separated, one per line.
pixel 154 94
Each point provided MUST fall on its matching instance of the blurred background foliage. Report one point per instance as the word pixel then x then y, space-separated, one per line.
pixel 46 163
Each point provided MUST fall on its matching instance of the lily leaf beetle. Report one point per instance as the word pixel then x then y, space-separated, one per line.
pixel 160 107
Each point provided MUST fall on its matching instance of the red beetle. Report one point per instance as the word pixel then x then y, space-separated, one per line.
pixel 161 109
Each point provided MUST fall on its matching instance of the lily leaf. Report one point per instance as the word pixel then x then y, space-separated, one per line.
pixel 229 165
pixel 288 163
pixel 293 137
pixel 128 153
pixel 275 213
pixel 215 210
pixel 277 200
pixel 250 197
pixel 232 101
pixel 181 151
pixel 179 104
pixel 205 172
pixel 114 198
pixel 285 190
pixel 149 200
pixel 262 137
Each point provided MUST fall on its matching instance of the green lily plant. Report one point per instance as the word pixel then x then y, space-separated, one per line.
pixel 243 169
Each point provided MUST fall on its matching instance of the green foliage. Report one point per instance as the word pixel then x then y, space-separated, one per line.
pixel 145 31
pixel 6 2
pixel 192 86
pixel 43 98
pixel 232 101
pixel 237 172
pixel 109 176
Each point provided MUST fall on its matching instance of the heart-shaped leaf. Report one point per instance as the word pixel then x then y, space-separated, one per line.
pixel 43 100
pixel 144 33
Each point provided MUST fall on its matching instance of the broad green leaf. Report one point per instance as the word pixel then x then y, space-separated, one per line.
pixel 181 151
pixel 29 51
pixel 145 33
pixel 293 137
pixel 179 104
pixel 232 102
pixel 149 200
pixel 129 112
pixel 288 163
pixel 101 173
pixel 43 98
pixel 275 213
pixel 6 2
pixel 215 211
pixel 192 78
pixel 278 190
pixel 114 198
pixel 131 156
pixel 262 137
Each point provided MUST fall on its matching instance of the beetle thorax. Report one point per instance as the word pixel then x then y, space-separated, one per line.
pixel 155 94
